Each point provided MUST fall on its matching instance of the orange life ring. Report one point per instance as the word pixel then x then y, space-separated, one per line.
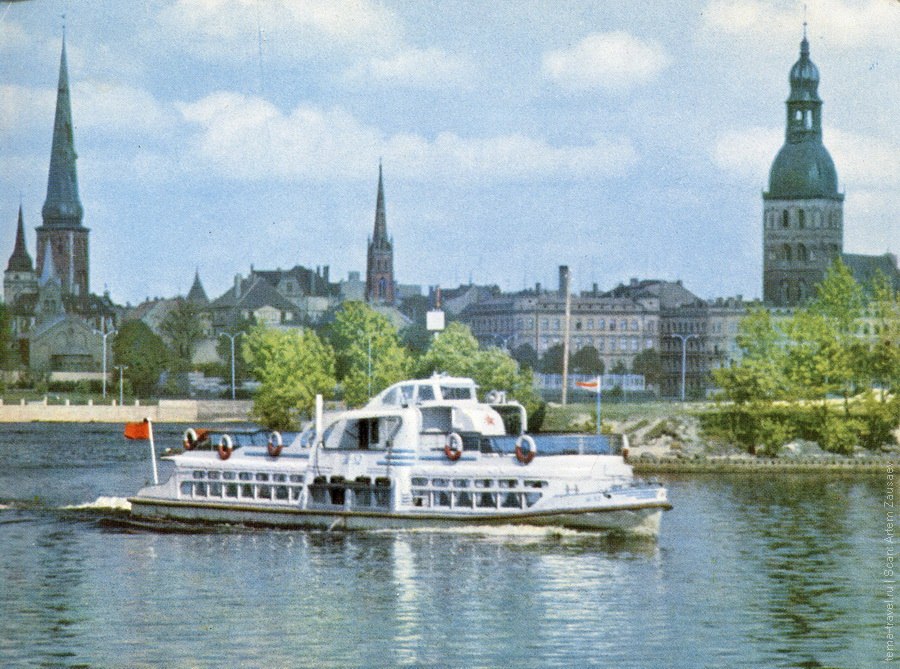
pixel 193 438
pixel 225 447
pixel 525 455
pixel 454 447
pixel 274 444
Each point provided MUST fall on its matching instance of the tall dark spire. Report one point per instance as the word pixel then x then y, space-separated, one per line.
pixel 380 234
pixel 62 206
pixel 20 261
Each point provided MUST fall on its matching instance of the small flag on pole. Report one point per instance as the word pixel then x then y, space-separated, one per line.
pixel 593 386
pixel 143 431
pixel 137 431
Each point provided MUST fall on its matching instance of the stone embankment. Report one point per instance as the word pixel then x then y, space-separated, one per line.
pixel 739 465
pixel 166 411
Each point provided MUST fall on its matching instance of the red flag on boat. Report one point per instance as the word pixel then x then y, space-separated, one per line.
pixel 137 431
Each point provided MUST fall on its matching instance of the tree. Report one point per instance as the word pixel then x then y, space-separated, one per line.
pixel 526 356
pixel 758 376
pixel 143 352
pixel 183 327
pixel 552 360
pixel 587 360
pixel 883 359
pixel 648 363
pixel 292 366
pixel 369 356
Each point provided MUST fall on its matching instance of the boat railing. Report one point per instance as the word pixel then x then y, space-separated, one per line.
pixel 565 444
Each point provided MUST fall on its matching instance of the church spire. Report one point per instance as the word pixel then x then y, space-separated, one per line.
pixel 62 207
pixel 380 234
pixel 20 261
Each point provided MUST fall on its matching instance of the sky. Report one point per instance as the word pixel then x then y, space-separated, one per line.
pixel 623 139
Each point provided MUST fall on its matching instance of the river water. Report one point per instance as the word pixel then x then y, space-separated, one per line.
pixel 748 571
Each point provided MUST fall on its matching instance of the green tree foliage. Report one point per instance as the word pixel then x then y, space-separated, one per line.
pixel 552 360
pixel 526 356
pixel 183 328
pixel 455 351
pixel 587 360
pixel 786 383
pixel 143 352
pixel 648 363
pixel 292 366
pixel 369 355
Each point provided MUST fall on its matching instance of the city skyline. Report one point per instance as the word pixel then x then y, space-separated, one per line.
pixel 250 133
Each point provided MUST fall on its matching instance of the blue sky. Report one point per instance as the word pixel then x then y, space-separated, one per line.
pixel 625 139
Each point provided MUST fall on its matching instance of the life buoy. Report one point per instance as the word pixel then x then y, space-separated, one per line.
pixel 525 455
pixel 274 444
pixel 225 447
pixel 454 447
pixel 193 438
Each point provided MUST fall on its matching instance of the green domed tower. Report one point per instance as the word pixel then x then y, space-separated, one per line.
pixel 802 210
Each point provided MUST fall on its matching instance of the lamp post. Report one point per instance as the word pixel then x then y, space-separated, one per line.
pixel 231 337
pixel 121 369
pixel 684 340
pixel 104 335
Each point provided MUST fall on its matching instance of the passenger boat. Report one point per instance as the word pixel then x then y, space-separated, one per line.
pixel 422 454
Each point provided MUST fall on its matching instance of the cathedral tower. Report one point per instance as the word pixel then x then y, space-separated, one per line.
pixel 19 277
pixel 62 232
pixel 802 210
pixel 380 262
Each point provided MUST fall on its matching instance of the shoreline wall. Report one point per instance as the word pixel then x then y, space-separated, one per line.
pixel 167 411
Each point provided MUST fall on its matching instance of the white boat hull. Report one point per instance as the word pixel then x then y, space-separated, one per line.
pixel 640 519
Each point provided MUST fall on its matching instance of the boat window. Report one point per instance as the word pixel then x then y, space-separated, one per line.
pixel 483 483
pixel 528 483
pixel 246 491
pixel 262 477
pixel 264 492
pixel 213 476
pixel 296 478
pixel 511 500
pixel 279 477
pixel 462 499
pixel 231 490
pixel 245 476
pixel 440 483
pixel 441 498
pixel 456 392
pixel 406 394
pixel 507 483
pixel 419 481
pixel 281 492
pixel 186 487
pixel 215 489
pixel 461 483
pixel 391 397
pixel 486 500
pixel 228 476
pixel 200 489
pixel 199 475
pixel 295 493
pixel 426 393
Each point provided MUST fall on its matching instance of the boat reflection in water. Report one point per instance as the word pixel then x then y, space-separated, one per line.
pixel 423 453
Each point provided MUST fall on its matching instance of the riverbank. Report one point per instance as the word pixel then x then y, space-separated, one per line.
pixel 165 411
pixel 763 466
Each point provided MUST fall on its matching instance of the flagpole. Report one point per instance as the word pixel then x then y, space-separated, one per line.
pixel 599 386
pixel 152 451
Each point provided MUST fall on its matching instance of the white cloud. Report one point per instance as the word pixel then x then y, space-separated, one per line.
pixel 748 153
pixel 230 28
pixel 246 138
pixel 613 61
pixel 845 23
pixel 119 109
pixel 421 68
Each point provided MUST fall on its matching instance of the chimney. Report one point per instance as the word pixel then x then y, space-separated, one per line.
pixel 237 286
pixel 563 280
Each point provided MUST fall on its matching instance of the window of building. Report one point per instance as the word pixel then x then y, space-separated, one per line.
pixel 801 219
pixel 785 219
pixel 802 253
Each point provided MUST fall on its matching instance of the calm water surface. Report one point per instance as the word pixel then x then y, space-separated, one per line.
pixel 748 572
